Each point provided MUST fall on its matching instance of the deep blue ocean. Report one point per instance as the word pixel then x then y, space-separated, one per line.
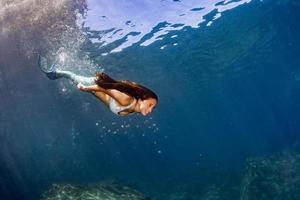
pixel 227 74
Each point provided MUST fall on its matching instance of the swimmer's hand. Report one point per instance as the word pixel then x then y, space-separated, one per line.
pixel 90 88
pixel 81 87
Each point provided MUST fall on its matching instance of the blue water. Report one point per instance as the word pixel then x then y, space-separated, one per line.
pixel 227 92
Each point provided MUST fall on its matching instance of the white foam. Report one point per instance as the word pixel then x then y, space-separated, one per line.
pixel 163 47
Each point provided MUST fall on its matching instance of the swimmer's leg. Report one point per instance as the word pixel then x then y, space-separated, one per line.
pixel 87 81
pixel 53 73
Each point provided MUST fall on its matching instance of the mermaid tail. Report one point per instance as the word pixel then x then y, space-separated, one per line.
pixel 51 72
pixel 54 73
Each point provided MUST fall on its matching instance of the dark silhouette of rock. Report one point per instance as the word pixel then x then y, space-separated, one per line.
pixel 276 177
pixel 106 191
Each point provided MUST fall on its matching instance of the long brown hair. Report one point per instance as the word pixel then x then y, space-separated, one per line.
pixel 129 87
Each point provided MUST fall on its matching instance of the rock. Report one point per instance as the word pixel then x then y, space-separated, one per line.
pixel 111 191
pixel 276 177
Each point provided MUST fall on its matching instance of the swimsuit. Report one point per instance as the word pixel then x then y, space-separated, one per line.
pixel 116 108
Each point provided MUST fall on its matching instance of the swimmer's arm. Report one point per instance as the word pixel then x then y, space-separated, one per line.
pixel 120 97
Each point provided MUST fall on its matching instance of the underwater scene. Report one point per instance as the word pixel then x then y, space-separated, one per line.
pixel 195 100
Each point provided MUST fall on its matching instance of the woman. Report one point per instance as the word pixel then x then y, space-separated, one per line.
pixel 121 97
